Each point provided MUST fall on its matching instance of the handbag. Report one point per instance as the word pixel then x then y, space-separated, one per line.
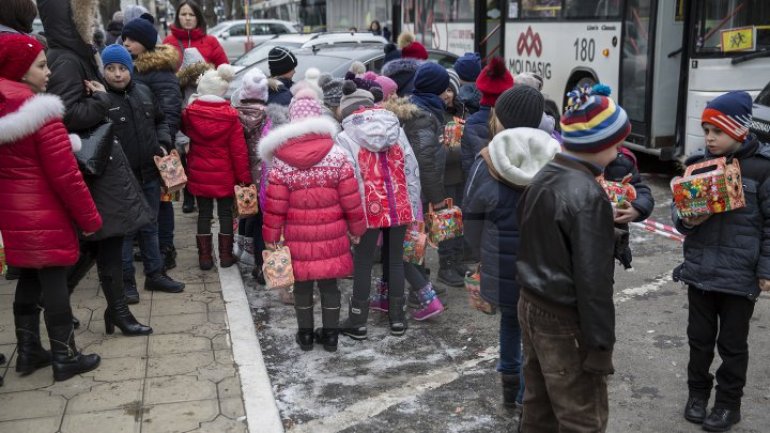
pixel 95 149
pixel 277 268
pixel 415 243
pixel 246 201
pixel 171 171
pixel 715 191
pixel 473 287
pixel 444 224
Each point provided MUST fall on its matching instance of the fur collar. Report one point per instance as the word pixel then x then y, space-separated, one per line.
pixel 399 66
pixel 162 58
pixel 404 109
pixel 189 76
pixel 83 18
pixel 518 154
pixel 279 136
pixel 30 117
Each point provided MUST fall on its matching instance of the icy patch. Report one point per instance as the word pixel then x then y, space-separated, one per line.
pixel 626 294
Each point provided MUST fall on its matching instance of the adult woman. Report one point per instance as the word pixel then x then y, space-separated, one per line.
pixel 16 16
pixel 75 78
pixel 43 194
pixel 374 27
pixel 189 31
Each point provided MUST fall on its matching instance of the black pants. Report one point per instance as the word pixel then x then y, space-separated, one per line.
pixel 206 213
pixel 330 303
pixel 723 320
pixel 51 285
pixel 363 260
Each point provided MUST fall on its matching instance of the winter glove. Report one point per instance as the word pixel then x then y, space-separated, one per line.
pixel 598 362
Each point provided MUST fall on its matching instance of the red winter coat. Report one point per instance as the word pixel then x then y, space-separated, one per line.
pixel 208 46
pixel 218 159
pixel 312 198
pixel 43 199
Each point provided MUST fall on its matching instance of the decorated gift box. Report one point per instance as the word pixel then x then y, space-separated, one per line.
pixel 717 189
pixel 619 193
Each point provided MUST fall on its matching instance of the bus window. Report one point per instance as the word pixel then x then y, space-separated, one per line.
pixel 540 8
pixel 591 8
pixel 725 26
pixel 634 62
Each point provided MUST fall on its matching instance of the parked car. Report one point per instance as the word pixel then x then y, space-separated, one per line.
pixel 761 123
pixel 307 40
pixel 232 34
pixel 336 60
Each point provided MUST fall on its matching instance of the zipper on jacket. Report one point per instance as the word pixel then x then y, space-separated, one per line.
pixel 470 183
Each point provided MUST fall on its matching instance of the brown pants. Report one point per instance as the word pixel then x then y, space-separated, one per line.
pixel 559 396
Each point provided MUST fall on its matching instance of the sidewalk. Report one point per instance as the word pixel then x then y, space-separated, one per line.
pixel 181 378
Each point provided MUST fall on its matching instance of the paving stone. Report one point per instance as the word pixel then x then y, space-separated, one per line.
pixel 193 287
pixel 223 425
pixel 6 301
pixel 214 287
pixel 224 356
pixel 184 363
pixel 119 421
pixel 8 350
pixel 106 396
pixel 30 404
pixel 168 307
pixel 178 417
pixel 221 341
pixel 216 372
pixel 230 387
pixel 217 305
pixel 217 317
pixel 15 382
pixel 177 323
pixel 174 389
pixel 118 346
pixel 73 387
pixel 117 369
pixel 232 407
pixel 36 425
pixel 209 330
pixel 177 343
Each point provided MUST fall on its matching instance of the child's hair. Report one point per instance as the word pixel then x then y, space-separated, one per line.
pixel 494 124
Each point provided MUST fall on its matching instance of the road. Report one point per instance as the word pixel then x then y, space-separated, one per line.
pixel 441 377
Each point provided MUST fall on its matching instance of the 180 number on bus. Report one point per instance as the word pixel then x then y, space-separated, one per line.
pixel 585 49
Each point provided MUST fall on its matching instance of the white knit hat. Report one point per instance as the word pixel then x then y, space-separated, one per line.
pixel 216 82
pixel 254 85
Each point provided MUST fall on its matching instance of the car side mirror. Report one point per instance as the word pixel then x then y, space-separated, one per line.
pixel 225 35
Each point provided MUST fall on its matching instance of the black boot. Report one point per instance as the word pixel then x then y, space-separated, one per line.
pixel 13 273
pixel 511 387
pixel 188 203
pixel 397 315
pixel 163 283
pixel 86 261
pixel 695 409
pixel 169 257
pixel 117 312
pixel 328 338
pixel 355 325
pixel 305 324
pixel 448 275
pixel 721 419
pixel 67 361
pixel 330 315
pixel 31 355
pixel 130 292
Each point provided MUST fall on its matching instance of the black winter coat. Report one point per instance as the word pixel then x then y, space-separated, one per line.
pixel 72 61
pixel 140 126
pixel 730 251
pixel 619 168
pixel 491 225
pixel 475 137
pixel 157 70
pixel 566 249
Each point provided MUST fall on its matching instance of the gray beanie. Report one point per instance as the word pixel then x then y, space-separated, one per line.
pixel 354 98
pixel 332 89
pixel 520 106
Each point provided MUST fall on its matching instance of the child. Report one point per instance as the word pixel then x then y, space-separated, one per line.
pixel 217 161
pixel 726 264
pixel 312 202
pixel 389 184
pixel 497 180
pixel 141 128
pixel 565 272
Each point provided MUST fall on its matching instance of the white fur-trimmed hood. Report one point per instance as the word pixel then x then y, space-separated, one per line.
pixel 30 117
pixel 277 137
pixel 519 153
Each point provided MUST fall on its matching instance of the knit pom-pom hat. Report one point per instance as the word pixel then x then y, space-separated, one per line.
pixel 732 113
pixel 593 121
pixel 305 103
pixel 493 80
pixel 216 82
pixel 354 98
pixel 410 48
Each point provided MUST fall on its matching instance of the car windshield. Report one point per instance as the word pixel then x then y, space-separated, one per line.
pixel 324 64
pixel 732 26
pixel 260 52
pixel 217 28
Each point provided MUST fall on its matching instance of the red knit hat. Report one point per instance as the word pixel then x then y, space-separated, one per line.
pixel 493 80
pixel 17 52
pixel 415 50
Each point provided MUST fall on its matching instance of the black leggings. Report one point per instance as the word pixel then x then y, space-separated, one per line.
pixel 363 260
pixel 206 214
pixel 303 300
pixel 48 283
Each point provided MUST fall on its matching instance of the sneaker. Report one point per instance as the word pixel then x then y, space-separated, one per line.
pixel 162 283
pixel 434 308
pixel 130 292
pixel 450 277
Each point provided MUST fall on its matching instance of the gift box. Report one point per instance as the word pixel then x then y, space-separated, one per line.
pixel 415 242
pixel 171 171
pixel 619 193
pixel 453 132
pixel 473 287
pixel 444 224
pixel 717 188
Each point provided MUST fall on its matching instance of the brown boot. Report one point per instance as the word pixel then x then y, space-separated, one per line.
pixel 205 260
pixel 226 257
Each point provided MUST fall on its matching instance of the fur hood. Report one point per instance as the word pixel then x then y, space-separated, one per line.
pixel 398 66
pixel 162 58
pixel 32 115
pixel 518 154
pixel 278 114
pixel 189 76
pixel 278 136
pixel 69 23
pixel 404 109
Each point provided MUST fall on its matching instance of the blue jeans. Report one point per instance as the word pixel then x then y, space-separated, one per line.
pixel 510 346
pixel 148 237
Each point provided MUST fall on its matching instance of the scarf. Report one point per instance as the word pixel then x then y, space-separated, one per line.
pixel 430 102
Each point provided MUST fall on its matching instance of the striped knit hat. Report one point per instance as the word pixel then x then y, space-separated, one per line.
pixel 731 113
pixel 593 121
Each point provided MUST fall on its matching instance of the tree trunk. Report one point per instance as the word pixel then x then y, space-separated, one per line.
pixel 209 12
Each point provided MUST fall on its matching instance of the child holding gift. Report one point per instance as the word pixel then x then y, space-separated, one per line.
pixel 726 264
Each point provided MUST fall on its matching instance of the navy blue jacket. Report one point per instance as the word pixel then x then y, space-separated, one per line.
pixel 282 95
pixel 475 137
pixel 730 251
pixel 490 223
pixel 620 168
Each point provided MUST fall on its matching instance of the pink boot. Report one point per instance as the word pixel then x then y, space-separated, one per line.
pixel 379 300
pixel 430 305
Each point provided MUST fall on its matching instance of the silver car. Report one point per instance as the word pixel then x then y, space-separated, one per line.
pixel 232 34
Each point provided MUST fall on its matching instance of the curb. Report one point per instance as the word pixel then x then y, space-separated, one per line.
pixel 262 414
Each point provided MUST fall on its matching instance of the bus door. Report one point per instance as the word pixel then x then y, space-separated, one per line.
pixel 490 28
